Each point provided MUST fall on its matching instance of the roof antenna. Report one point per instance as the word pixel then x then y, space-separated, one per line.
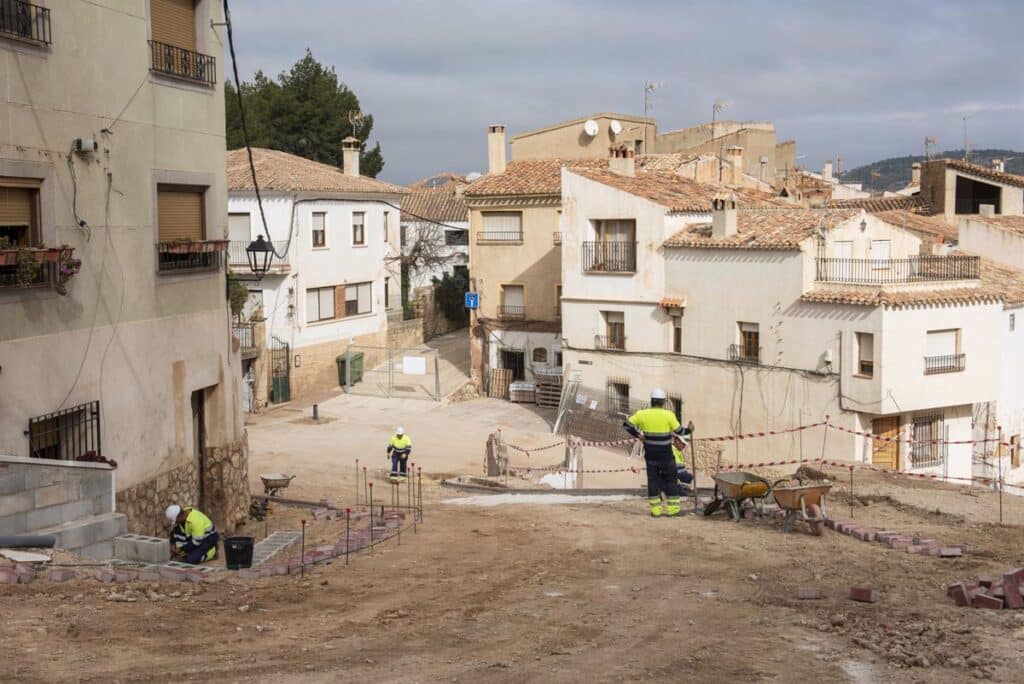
pixel 649 88
pixel 928 142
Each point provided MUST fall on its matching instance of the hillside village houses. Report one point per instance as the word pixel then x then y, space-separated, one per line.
pixel 112 153
pixel 336 273
pixel 435 230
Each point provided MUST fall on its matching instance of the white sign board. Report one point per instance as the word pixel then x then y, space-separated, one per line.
pixel 414 365
pixel 593 405
pixel 581 399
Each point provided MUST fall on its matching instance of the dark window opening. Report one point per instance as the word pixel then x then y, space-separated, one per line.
pixel 515 361
pixel 971 194
pixel 67 434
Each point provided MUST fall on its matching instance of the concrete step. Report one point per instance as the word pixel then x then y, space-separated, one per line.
pixel 92 535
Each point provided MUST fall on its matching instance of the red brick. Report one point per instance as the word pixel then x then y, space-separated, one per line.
pixel 987 601
pixel 985 582
pixel 919 550
pixel 249 573
pixel 104 574
pixel 8 576
pixel 1011 584
pixel 125 575
pixel 149 576
pixel 862 594
pixel 898 543
pixel 61 574
pixel 808 593
pixel 950 552
pixel 958 592
pixel 829 523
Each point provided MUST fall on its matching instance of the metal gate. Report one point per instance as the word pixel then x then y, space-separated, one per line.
pixel 409 373
pixel 280 371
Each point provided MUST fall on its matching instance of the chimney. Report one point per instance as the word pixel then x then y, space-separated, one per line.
pixel 999 165
pixel 622 161
pixel 350 156
pixel 915 173
pixel 826 172
pixel 496 148
pixel 723 215
pixel 987 209
pixel 735 157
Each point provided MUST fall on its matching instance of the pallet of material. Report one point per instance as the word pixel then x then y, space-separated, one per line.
pixel 498 380
pixel 522 392
pixel 549 395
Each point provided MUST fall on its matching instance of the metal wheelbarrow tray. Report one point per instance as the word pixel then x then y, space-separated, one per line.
pixel 806 501
pixel 736 487
pixel 275 482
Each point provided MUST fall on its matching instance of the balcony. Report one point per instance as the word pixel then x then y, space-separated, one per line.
pixel 243 332
pixel 181 63
pixel 25 21
pixel 557 238
pixel 196 256
pixel 915 269
pixel 45 267
pixel 238 260
pixel 949 363
pixel 744 354
pixel 609 257
pixel 512 313
pixel 609 343
pixel 497 237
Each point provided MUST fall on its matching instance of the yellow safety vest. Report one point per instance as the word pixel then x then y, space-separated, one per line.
pixel 197 528
pixel 678 453
pixel 400 444
pixel 658 426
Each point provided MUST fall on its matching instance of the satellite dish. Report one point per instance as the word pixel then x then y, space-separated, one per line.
pixel 590 128
pixel 616 126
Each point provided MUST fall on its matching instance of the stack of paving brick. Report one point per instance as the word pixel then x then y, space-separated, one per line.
pixel 16 573
pixel 895 540
pixel 1007 593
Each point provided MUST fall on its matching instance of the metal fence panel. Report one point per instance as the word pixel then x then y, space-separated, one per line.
pixel 409 373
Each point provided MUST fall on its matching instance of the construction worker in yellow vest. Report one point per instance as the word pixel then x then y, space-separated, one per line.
pixel 399 448
pixel 194 539
pixel 657 427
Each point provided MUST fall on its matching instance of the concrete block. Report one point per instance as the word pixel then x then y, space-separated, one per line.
pixel 61 574
pixel 863 594
pixel 102 551
pixel 12 480
pixel 76 536
pixel 20 502
pixel 149 575
pixel 919 550
pixel 249 573
pixel 25 575
pixel 52 495
pixel 171 574
pixel 142 549
pixel 41 518
pixel 76 510
pixel 96 484
pixel 985 582
pixel 14 524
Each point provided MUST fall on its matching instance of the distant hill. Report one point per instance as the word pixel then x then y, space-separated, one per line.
pixel 894 173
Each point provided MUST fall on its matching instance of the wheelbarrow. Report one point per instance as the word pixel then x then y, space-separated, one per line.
pixel 803 501
pixel 272 484
pixel 732 489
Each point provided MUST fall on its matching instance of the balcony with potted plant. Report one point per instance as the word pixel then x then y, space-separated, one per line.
pixel 23 267
pixel 191 256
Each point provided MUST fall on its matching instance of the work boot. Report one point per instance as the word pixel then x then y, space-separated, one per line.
pixel 672 508
pixel 655 507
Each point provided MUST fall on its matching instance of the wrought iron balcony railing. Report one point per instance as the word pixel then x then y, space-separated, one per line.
pixel 237 255
pixel 610 343
pixel 915 269
pixel 609 257
pixel 511 236
pixel 744 354
pixel 175 61
pixel 190 257
pixel 949 363
pixel 517 313
pixel 25 21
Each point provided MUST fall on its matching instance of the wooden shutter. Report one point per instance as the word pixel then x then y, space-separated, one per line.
pixel 16 206
pixel 180 214
pixel 174 22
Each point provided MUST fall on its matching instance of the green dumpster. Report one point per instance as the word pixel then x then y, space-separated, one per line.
pixel 357 368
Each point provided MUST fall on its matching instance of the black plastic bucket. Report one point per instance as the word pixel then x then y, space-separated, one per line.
pixel 238 552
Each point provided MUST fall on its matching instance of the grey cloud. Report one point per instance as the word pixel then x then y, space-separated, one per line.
pixel 859 79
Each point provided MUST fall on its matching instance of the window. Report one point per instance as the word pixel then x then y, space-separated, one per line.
pixel 942 352
pixel 502 226
pixel 456 238
pixel 66 434
pixel 677 407
pixel 174 22
pixel 1015 451
pixel 540 355
pixel 617 395
pixel 180 213
pixel 402 230
pixel 677 334
pixel 865 354
pixel 387 217
pixel 514 360
pixel 617 230
pixel 558 301
pixel 881 250
pixel 358 228
pixel 749 347
pixel 614 330
pixel 239 228
pixel 319 304
pixel 358 299
pixel 19 212
pixel 930 436
pixel 319 229
pixel 613 249
pixel 558 359
pixel 513 302
pixel 387 292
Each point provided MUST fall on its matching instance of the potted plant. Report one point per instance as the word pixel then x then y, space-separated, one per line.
pixel 28 268
pixel 67 268
pixel 8 253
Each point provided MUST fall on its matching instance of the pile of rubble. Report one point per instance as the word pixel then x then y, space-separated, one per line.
pixel 1007 593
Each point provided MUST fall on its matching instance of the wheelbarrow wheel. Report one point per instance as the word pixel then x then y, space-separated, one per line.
pixel 816 520
pixel 712 506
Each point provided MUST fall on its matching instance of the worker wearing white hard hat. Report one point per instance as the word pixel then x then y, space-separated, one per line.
pixel 193 536
pixel 399 448
pixel 658 427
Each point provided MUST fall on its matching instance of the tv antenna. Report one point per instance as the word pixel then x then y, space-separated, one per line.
pixel 356 121
pixel 649 88
pixel 928 142
pixel 719 106
pixel 965 117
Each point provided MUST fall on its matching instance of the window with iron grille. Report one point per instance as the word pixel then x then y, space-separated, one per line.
pixel 617 395
pixel 930 436
pixel 66 434
pixel 677 407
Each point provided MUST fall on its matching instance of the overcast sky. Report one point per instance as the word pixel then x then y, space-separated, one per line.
pixel 862 80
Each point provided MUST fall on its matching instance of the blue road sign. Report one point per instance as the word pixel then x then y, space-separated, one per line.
pixel 472 300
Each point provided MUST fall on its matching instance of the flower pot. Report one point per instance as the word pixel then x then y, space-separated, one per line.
pixel 8 257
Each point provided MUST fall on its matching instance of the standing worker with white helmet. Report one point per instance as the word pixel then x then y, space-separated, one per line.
pixel 193 537
pixel 399 448
pixel 657 427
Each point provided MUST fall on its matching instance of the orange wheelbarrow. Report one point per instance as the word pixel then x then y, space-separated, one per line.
pixel 803 501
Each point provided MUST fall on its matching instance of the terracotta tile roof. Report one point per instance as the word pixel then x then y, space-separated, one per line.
pixel 529 177
pixel 1007 282
pixel 985 172
pixel 436 204
pixel 876 204
pixel 282 172
pixel 1011 223
pixel 678 194
pixel 440 180
pixel 765 228
pixel 673 302
pixel 933 225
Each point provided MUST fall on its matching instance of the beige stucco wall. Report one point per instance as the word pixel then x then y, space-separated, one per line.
pixel 756 142
pixel 570 141
pixel 977 236
pixel 137 341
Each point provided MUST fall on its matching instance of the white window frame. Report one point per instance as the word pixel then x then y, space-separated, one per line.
pixel 313 230
pixel 357 288
pixel 362 228
pixel 320 291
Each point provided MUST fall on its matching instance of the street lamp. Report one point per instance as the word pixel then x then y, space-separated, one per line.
pixel 259 253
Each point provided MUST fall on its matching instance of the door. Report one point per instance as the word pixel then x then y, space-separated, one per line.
pixel 280 371
pixel 843 260
pixel 886 454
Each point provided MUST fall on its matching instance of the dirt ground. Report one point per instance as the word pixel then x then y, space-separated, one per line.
pixel 523 593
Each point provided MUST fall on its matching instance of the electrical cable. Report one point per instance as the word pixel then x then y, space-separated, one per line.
pixel 79 221
pixel 120 309
pixel 245 136
pixel 109 130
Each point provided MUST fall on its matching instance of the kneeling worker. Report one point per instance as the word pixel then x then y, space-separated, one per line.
pixel 657 426
pixel 399 448
pixel 194 538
